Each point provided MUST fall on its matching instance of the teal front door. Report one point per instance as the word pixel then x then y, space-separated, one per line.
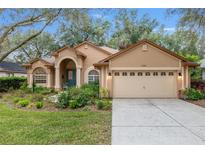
pixel 71 77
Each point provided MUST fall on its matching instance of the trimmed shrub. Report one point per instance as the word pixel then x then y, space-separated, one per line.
pixel 104 93
pixel 23 102
pixel 39 105
pixel 107 105
pixel 7 83
pixel 99 104
pixel 84 95
pixel 63 100
pixel 73 92
pixel 73 104
pixel 104 104
pixel 93 89
pixel 193 94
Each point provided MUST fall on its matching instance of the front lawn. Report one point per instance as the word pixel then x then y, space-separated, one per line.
pixel 40 127
pixel 19 126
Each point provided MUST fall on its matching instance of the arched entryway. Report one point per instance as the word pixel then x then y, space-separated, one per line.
pixel 67 73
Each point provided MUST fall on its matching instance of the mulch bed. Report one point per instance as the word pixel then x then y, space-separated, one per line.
pixel 199 102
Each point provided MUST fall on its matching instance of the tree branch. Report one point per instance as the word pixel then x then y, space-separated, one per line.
pixel 30 37
pixel 11 28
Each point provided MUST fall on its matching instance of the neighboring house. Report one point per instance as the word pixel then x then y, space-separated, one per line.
pixel 203 68
pixel 12 69
pixel 143 70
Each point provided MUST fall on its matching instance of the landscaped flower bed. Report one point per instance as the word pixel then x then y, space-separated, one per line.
pixel 38 98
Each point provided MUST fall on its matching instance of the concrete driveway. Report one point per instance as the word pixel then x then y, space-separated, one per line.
pixel 157 121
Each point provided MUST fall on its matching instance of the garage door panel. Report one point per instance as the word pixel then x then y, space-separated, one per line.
pixel 144 86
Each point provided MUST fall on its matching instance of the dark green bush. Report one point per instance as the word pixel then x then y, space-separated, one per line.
pixel 85 97
pixel 79 97
pixel 104 104
pixel 78 94
pixel 193 94
pixel 73 104
pixel 7 83
pixel 73 92
pixel 39 105
pixel 63 100
pixel 92 88
pixel 23 102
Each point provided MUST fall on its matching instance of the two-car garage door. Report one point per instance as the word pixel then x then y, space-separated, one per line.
pixel 144 84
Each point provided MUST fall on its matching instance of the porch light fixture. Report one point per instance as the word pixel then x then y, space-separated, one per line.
pixel 179 75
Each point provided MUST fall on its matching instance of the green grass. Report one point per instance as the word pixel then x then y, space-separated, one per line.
pixel 30 127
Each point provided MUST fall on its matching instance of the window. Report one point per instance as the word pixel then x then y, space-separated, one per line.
pixel 147 73
pixel 39 75
pixel 117 74
pixel 93 76
pixel 132 73
pixel 171 73
pixel 163 74
pixel 124 73
pixel 155 74
pixel 139 74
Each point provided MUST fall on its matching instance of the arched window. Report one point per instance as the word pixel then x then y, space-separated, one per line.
pixel 93 76
pixel 39 76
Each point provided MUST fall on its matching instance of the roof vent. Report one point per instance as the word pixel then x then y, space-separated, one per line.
pixel 86 46
pixel 144 47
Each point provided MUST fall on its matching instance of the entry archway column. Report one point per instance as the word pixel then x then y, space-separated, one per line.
pixel 78 76
pixel 57 78
pixel 30 77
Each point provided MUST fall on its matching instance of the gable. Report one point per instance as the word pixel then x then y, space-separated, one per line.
pixel 93 54
pixel 85 45
pixel 67 52
pixel 137 57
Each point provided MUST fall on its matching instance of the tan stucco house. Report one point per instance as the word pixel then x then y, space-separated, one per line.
pixel 143 70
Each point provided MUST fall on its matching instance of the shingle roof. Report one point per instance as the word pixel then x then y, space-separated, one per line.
pixel 111 50
pixel 11 67
pixel 50 60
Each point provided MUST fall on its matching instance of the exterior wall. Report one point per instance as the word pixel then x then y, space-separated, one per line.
pixel 106 80
pixel 93 56
pixel 83 66
pixel 153 57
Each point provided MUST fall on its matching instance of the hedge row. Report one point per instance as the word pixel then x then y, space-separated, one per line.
pixel 7 83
